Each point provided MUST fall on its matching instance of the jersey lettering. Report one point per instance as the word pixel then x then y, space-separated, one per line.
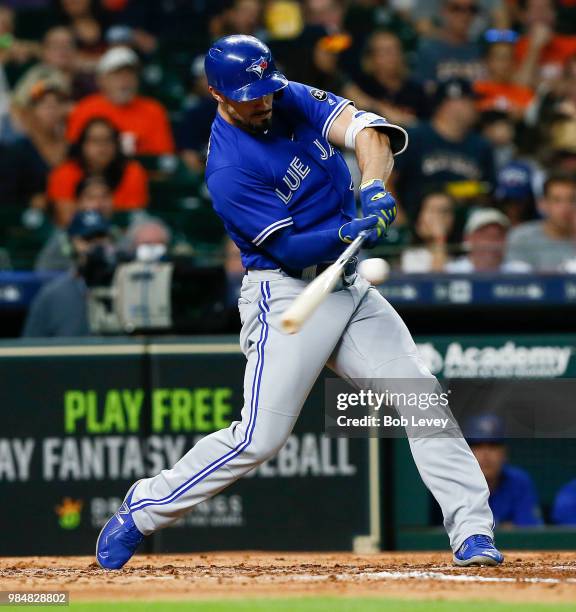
pixel 296 173
pixel 324 154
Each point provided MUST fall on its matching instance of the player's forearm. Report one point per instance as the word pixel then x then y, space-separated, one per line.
pixel 374 155
pixel 299 250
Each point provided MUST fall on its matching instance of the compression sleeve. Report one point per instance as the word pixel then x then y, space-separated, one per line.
pixel 299 250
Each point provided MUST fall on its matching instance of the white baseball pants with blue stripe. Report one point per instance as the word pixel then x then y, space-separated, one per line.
pixel 359 335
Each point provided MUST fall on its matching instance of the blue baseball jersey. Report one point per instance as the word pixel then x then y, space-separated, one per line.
pixel 515 500
pixel 564 507
pixel 289 176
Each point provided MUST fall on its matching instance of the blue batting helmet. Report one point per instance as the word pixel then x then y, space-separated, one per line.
pixel 242 68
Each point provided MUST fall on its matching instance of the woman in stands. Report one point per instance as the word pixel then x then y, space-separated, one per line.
pixel 38 146
pixel 97 152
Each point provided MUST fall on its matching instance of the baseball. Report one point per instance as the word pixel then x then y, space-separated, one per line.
pixel 374 270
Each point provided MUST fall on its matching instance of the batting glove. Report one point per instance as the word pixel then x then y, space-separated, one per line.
pixel 376 200
pixel 349 231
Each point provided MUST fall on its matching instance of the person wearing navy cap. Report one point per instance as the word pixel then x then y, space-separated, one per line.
pixel 445 150
pixel 60 307
pixel 513 498
pixel 514 193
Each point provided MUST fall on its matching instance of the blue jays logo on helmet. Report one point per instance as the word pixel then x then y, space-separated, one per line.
pixel 259 66
pixel 242 68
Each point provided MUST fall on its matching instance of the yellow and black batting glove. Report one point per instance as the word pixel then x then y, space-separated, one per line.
pixel 376 200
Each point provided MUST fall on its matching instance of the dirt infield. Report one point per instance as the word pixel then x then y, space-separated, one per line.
pixel 547 576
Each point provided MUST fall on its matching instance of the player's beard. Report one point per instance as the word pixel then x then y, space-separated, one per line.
pixel 252 127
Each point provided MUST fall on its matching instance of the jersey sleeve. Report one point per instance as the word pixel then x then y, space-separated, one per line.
pixel 321 108
pixel 564 509
pixel 317 107
pixel 527 510
pixel 247 204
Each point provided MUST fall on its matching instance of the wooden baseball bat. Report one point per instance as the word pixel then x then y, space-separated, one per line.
pixel 302 308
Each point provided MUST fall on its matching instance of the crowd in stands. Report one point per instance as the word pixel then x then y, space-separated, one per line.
pixel 104 105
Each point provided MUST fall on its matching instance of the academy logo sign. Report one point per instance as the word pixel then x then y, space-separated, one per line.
pixel 507 361
pixel 258 67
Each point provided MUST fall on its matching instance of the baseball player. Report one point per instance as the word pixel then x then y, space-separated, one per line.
pixel 284 193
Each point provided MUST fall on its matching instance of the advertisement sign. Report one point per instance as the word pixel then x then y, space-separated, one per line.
pixel 78 430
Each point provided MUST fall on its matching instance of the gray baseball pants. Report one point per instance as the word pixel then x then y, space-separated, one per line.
pixel 358 334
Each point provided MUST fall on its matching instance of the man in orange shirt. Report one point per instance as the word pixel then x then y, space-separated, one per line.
pixel 143 122
pixel 499 90
pixel 541 53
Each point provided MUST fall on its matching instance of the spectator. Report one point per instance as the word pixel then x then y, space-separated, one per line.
pixel 365 16
pixel 556 106
pixel 92 194
pixel 547 243
pixel 444 150
pixel 564 507
pixel 242 17
pixel 384 86
pixel 493 13
pixel 563 146
pixel 541 54
pixel 98 153
pixel 451 54
pixel 560 102
pixel 142 121
pixel 148 239
pixel 20 184
pixel 42 146
pixel 86 19
pixel 327 14
pixel 485 240
pixel 513 499
pixel 58 61
pixel 283 19
pixel 433 228
pixel 60 308
pixel 12 52
pixel 499 90
pixel 499 129
pixel 159 20
pixel 316 57
pixel 514 192
pixel 193 132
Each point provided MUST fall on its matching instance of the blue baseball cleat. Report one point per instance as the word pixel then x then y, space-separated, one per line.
pixel 119 537
pixel 478 550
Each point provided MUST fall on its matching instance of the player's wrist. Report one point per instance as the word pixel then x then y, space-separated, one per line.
pixel 373 183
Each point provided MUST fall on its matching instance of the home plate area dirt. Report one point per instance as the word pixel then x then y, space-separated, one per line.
pixel 526 576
